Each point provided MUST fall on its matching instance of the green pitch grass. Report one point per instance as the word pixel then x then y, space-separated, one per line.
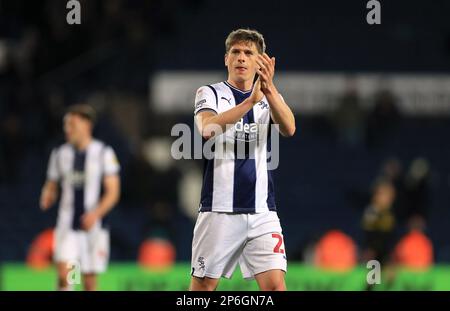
pixel 129 276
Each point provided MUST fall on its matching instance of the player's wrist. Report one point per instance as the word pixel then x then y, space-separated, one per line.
pixel 253 100
pixel 98 213
pixel 270 90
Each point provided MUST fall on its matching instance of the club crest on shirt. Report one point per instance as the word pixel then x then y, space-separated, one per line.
pixel 201 263
pixel 263 105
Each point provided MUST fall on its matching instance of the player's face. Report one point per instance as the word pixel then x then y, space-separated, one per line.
pixel 241 61
pixel 75 128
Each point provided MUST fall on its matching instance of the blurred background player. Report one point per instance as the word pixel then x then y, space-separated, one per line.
pixel 238 220
pixel 87 171
pixel 379 222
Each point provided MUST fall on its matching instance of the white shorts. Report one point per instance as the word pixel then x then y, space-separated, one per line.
pixel 89 249
pixel 221 240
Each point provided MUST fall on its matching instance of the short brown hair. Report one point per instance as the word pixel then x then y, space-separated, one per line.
pixel 84 111
pixel 245 35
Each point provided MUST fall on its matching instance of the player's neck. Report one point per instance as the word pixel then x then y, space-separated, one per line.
pixel 83 143
pixel 243 86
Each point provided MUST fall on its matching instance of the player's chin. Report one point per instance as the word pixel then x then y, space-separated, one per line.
pixel 70 139
pixel 242 77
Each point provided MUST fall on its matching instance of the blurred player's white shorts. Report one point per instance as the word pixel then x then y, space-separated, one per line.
pixel 89 249
pixel 221 240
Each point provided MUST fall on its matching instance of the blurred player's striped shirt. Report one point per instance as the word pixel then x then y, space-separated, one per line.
pixel 80 174
pixel 236 182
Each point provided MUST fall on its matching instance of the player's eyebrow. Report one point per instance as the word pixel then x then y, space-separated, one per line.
pixel 236 50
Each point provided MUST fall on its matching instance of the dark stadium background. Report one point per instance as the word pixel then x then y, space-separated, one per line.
pixel 111 59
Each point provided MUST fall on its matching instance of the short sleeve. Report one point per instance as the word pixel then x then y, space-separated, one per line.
pixel 205 99
pixel 111 165
pixel 53 173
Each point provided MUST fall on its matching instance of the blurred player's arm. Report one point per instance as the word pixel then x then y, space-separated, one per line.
pixel 280 112
pixel 209 122
pixel 111 194
pixel 111 184
pixel 49 194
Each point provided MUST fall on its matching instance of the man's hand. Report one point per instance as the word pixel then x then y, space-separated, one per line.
pixel 89 219
pixel 280 112
pixel 48 195
pixel 257 95
pixel 266 72
pixel 111 184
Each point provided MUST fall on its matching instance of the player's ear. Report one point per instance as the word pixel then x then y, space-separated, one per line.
pixel 225 59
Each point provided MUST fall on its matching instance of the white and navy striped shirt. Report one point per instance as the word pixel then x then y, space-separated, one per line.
pixel 232 183
pixel 80 175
